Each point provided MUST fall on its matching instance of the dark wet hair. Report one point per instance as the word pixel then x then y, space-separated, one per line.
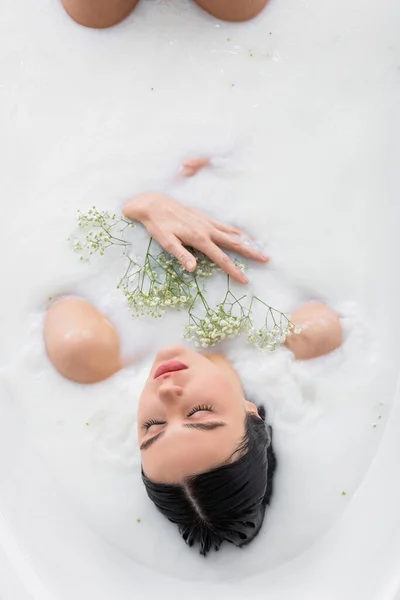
pixel 226 504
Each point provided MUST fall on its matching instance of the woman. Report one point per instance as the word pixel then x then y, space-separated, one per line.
pixel 207 456
pixel 100 14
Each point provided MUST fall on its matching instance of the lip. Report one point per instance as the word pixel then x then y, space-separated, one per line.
pixel 171 366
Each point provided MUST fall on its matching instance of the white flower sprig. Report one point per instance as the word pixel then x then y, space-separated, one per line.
pixel 102 230
pixel 234 316
pixel 160 283
pixel 155 286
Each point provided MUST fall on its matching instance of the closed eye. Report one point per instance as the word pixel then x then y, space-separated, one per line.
pixel 199 426
pixel 152 422
pixel 200 408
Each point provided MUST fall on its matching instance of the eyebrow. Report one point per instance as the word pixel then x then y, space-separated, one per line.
pixel 209 426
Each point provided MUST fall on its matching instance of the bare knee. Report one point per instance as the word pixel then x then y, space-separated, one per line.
pixel 99 14
pixel 80 342
pixel 320 331
pixel 233 10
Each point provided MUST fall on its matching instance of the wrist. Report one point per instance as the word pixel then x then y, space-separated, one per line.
pixel 141 207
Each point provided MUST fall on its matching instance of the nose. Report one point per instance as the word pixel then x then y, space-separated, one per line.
pixel 168 392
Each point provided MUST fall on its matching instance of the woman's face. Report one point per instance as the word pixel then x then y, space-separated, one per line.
pixel 191 415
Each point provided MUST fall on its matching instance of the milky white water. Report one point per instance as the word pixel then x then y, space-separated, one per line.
pixel 296 107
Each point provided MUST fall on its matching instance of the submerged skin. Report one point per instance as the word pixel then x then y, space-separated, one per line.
pixel 100 14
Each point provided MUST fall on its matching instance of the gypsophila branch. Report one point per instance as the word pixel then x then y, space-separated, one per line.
pixel 159 283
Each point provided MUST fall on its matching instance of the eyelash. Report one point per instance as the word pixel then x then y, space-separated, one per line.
pixel 152 422
pixel 199 408
pixel 195 409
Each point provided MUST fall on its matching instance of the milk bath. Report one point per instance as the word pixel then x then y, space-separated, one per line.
pixel 328 416
pixel 300 163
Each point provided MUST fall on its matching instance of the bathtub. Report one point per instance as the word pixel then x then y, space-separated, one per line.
pixel 47 552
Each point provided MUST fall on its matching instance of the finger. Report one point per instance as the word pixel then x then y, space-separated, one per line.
pixel 241 246
pixel 174 246
pixel 223 261
pixel 227 228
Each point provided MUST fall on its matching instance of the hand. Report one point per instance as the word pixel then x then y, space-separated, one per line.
pixel 175 226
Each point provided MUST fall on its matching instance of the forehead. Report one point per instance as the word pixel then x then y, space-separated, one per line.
pixel 181 452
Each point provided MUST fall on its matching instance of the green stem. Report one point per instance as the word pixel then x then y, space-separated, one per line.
pixel 259 300
pixel 146 260
pixel 169 271
pixel 193 303
pixel 194 319
pixel 206 305
pixel 238 300
pixel 112 237
pixel 251 304
pixel 126 272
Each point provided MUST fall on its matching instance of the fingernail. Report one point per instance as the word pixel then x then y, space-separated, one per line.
pixel 244 278
pixel 190 264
